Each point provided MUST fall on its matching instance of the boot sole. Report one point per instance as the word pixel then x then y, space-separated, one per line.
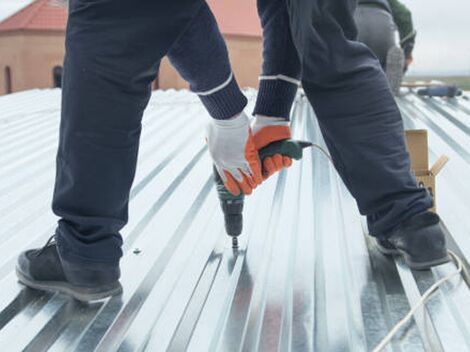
pixel 427 264
pixel 84 294
pixel 414 265
pixel 386 251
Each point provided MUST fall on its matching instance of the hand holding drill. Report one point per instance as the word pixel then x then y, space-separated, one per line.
pixel 235 147
pixel 274 150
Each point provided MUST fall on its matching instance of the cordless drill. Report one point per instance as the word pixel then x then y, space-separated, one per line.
pixel 232 206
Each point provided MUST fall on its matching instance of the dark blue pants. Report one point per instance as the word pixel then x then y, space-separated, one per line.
pixel 113 50
pixel 314 41
pixel 358 116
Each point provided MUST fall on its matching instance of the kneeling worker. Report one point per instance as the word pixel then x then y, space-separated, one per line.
pixel 380 23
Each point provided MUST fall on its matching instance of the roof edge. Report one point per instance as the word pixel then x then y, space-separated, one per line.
pixel 30 30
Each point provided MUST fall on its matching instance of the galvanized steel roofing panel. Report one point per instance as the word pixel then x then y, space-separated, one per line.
pixel 304 279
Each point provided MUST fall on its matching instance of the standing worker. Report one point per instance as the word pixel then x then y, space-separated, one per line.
pixel 386 27
pixel 113 52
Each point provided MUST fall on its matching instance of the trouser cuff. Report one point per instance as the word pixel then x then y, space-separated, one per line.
pixel 105 252
pixel 275 98
pixel 225 102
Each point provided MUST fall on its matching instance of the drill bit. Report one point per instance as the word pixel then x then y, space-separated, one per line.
pixel 235 242
pixel 232 206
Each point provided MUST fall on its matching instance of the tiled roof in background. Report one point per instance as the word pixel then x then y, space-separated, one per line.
pixel 39 15
pixel 9 7
pixel 234 17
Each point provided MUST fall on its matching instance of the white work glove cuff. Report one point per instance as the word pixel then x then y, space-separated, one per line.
pixel 240 120
pixel 261 121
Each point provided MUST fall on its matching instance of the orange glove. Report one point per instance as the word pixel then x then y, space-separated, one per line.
pixel 409 61
pixel 236 159
pixel 265 131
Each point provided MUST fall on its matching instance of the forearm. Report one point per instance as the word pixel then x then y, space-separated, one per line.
pixel 280 76
pixel 200 56
pixel 408 46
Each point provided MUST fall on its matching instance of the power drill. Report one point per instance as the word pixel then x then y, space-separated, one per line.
pixel 232 206
pixel 451 91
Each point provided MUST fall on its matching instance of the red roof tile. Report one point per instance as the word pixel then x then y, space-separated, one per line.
pixel 237 17
pixel 39 15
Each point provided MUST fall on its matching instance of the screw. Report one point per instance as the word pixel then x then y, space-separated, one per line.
pixel 234 242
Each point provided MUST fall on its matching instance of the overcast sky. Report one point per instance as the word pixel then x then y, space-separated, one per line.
pixel 8 7
pixel 443 44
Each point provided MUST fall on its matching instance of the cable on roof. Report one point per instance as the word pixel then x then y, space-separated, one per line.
pixel 324 152
pixel 423 300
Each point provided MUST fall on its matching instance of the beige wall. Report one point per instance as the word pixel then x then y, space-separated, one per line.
pixel 32 56
pixel 245 56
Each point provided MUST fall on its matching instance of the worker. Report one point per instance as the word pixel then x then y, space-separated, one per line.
pixel 112 54
pixel 386 27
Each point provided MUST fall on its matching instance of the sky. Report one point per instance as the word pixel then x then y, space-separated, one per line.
pixel 443 43
pixel 8 7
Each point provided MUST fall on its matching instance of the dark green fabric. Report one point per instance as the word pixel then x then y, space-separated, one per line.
pixel 402 17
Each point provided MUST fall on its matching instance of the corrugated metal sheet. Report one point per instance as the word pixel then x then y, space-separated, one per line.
pixel 304 279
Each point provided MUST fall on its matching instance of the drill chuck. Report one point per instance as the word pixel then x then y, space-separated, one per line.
pixel 233 210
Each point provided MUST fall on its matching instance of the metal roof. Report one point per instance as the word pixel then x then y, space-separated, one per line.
pixel 305 278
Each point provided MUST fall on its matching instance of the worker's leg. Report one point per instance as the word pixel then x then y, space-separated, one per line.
pixel 377 30
pixel 358 116
pixel 280 76
pixel 201 57
pixel 113 50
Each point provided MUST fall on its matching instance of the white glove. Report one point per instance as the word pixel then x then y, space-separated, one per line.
pixel 235 157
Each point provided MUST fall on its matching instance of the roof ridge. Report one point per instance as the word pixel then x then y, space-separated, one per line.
pixel 35 11
pixel 24 17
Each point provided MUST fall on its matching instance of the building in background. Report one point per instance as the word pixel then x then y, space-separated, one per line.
pixel 32 46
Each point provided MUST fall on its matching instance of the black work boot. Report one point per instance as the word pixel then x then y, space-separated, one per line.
pixel 43 269
pixel 419 239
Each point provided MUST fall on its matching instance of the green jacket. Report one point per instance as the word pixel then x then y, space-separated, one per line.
pixel 402 17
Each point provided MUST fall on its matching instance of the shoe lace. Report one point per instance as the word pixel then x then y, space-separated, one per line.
pixel 50 242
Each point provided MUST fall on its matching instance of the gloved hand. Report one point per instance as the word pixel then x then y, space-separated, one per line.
pixel 235 157
pixel 265 131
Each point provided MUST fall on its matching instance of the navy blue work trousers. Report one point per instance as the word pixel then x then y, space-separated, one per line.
pixel 358 116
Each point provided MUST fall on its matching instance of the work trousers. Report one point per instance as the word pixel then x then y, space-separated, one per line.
pixel 358 116
pixel 315 41
pixel 113 51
